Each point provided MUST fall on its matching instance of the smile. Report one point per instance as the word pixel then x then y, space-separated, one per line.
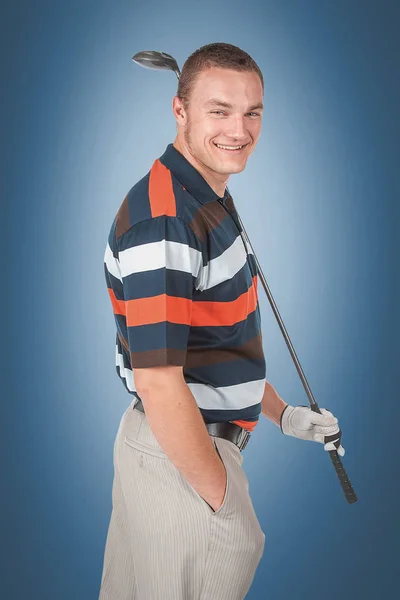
pixel 234 149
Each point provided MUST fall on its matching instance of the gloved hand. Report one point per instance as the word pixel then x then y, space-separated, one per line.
pixel 305 424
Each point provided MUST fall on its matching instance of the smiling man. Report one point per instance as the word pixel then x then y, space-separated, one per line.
pixel 183 286
pixel 219 127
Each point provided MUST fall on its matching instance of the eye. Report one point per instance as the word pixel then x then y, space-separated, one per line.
pixel 254 113
pixel 218 112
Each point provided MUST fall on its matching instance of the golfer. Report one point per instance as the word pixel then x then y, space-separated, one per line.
pixel 183 287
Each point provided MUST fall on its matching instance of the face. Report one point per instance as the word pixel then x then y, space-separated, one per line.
pixel 225 109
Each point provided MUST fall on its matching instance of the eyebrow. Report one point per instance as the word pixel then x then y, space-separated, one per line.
pixel 216 102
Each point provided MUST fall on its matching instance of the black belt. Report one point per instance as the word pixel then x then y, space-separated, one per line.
pixel 229 431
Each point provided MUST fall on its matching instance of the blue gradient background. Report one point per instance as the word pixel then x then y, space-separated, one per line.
pixel 80 125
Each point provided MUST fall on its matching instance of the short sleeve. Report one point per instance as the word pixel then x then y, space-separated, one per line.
pixel 160 261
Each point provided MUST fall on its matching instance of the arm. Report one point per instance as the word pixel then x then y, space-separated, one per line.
pixel 178 426
pixel 160 261
pixel 272 404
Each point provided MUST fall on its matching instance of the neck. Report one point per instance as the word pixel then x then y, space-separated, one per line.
pixel 216 181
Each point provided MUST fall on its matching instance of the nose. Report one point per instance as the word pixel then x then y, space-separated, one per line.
pixel 237 128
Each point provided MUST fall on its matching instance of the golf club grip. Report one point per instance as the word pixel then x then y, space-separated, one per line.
pixel 347 488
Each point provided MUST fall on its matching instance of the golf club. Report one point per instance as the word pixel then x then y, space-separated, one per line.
pixel 153 59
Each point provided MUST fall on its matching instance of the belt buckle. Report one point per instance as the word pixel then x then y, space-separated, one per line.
pixel 243 442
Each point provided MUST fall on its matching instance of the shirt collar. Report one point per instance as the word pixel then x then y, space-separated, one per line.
pixel 189 176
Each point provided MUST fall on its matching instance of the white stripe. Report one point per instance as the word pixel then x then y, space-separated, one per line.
pixel 230 397
pixel 224 266
pixel 112 263
pixel 156 255
pixel 127 374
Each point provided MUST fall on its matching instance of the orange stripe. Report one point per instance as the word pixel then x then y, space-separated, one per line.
pixel 144 311
pixel 250 425
pixel 161 193
pixel 224 313
pixel 118 305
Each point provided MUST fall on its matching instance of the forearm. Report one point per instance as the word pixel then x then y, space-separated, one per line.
pixel 272 404
pixel 179 428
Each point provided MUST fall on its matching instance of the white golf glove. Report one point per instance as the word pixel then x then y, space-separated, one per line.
pixel 305 424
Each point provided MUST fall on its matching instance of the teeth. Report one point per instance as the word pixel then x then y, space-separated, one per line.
pixel 229 147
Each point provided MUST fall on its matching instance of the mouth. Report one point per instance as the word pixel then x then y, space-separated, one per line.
pixel 231 149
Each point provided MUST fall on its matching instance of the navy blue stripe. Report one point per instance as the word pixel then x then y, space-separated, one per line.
pixel 121 326
pixel 252 263
pixel 143 338
pixel 159 281
pixel 107 276
pixel 222 237
pixel 250 413
pixel 114 283
pixel 227 373
pixel 138 201
pixel 159 228
pixel 225 335
pixel 111 237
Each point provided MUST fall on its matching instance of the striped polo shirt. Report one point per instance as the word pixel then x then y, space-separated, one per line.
pixel 182 281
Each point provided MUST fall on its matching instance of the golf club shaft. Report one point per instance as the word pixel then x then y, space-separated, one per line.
pixel 347 488
pixel 280 322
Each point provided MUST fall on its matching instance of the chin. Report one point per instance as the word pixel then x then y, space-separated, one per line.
pixel 232 169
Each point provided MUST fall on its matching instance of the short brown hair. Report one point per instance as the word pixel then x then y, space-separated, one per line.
pixel 218 54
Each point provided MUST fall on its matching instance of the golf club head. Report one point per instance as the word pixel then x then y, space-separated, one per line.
pixel 152 59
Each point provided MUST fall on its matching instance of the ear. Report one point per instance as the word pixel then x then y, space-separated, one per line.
pixel 179 111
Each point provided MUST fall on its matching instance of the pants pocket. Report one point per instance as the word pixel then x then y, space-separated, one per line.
pixel 228 479
pixel 147 449
pixel 154 449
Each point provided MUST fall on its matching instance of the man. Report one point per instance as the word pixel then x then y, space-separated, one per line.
pixel 183 286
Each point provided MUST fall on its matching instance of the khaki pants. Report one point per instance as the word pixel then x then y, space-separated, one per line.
pixel 164 540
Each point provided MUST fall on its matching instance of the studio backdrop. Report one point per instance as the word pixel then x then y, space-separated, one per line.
pixel 81 124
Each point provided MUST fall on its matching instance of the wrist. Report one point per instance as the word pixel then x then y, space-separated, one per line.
pixel 283 418
pixel 272 404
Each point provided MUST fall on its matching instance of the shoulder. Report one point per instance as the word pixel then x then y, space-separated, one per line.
pixel 158 200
